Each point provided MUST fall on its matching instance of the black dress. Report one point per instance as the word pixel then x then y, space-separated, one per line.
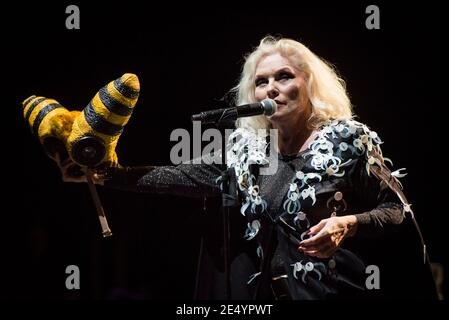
pixel 273 267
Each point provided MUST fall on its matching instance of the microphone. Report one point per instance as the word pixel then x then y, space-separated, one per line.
pixel 266 107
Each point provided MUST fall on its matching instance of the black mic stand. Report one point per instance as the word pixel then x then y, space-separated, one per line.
pixel 229 200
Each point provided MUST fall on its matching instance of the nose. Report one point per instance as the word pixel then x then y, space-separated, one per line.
pixel 272 92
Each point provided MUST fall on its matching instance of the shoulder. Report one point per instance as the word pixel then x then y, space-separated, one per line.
pixel 348 136
pixel 354 135
pixel 340 141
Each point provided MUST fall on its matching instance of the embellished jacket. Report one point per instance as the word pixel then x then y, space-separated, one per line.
pixel 342 172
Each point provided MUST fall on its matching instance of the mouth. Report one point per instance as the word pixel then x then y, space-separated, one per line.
pixel 280 104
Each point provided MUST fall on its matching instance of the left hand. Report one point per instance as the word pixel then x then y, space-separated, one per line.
pixel 328 235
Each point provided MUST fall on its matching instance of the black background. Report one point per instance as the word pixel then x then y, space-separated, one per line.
pixel 187 58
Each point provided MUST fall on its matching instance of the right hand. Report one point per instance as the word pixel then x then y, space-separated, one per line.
pixel 72 172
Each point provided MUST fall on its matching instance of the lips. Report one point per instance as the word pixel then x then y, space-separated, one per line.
pixel 279 103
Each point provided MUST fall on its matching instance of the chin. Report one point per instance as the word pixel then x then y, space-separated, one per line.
pixel 279 115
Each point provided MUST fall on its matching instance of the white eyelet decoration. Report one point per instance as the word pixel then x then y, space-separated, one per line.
pixel 316 267
pixel 252 230
pixel 249 149
pixel 327 158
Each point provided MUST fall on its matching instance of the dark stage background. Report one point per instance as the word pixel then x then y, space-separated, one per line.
pixel 186 60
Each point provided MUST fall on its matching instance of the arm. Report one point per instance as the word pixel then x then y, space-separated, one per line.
pixel 377 200
pixel 189 179
pixel 382 192
pixel 192 180
pixel 378 190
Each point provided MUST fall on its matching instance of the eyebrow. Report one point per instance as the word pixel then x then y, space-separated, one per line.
pixel 285 68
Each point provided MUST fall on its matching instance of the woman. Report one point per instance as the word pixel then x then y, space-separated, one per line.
pixel 331 189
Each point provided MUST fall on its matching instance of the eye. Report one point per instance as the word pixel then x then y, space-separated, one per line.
pixel 260 81
pixel 284 75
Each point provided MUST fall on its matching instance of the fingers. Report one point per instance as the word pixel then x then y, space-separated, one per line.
pixel 325 244
pixel 317 246
pixel 98 179
pixel 71 172
pixel 322 244
pixel 316 228
pixel 323 250
pixel 67 163
pixel 57 159
pixel 327 237
pixel 316 232
pixel 316 239
pixel 71 178
pixel 322 255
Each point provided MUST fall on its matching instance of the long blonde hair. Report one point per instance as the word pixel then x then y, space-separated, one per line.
pixel 326 91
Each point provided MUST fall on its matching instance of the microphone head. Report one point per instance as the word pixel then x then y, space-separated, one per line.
pixel 269 107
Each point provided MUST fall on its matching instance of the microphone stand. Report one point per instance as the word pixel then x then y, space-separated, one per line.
pixel 224 118
pixel 229 200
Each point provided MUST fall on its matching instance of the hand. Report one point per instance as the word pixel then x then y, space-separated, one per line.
pixel 328 235
pixel 72 172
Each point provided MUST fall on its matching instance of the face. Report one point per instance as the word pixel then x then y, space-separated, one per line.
pixel 277 79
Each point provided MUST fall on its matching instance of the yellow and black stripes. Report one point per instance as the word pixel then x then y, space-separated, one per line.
pixel 127 91
pixel 90 136
pixel 105 116
pixel 36 109
pixel 112 106
pixel 41 115
pixel 27 100
pixel 29 108
pixel 100 125
pixel 50 122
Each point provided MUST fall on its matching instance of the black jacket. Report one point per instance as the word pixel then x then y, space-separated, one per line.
pixel 385 238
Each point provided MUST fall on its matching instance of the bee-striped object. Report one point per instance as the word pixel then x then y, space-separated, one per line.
pixel 50 122
pixel 95 132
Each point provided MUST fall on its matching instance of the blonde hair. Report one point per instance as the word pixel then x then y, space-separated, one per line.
pixel 326 91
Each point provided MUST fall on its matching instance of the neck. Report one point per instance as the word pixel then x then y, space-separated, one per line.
pixel 293 138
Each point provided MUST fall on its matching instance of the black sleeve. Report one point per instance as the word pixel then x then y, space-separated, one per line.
pixel 387 209
pixel 189 179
